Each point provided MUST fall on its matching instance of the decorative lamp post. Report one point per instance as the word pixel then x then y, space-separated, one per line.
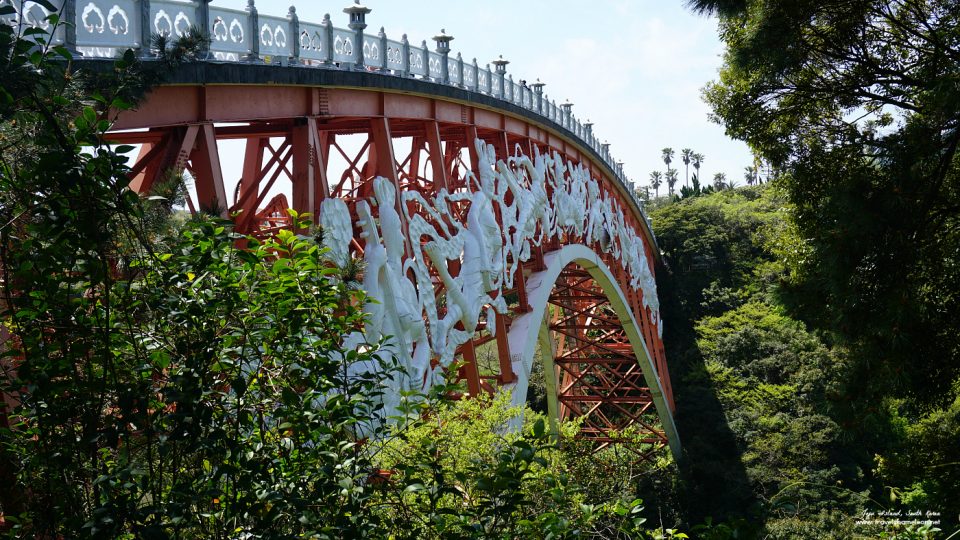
pixel 538 92
pixel 203 21
pixel 295 33
pixel 501 70
pixel 358 21
pixel 566 106
pixel 443 47
pixel 69 14
pixel 254 29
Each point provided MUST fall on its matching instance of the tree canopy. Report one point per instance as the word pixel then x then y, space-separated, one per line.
pixel 858 104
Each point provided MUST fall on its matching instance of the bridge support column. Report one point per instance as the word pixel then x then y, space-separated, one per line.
pixel 249 186
pixel 309 174
pixel 435 149
pixel 205 161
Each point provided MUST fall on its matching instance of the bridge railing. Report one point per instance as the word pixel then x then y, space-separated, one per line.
pixel 102 28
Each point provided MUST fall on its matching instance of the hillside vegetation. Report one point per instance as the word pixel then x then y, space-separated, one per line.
pixel 779 438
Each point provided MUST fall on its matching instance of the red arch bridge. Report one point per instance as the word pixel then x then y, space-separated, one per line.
pixel 495 229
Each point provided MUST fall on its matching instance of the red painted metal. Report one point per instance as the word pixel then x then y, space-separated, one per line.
pixel 598 377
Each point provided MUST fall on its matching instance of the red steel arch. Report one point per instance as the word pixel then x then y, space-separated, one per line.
pixel 421 141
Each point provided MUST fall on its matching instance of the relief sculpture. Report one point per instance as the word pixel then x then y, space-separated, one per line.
pixel 406 248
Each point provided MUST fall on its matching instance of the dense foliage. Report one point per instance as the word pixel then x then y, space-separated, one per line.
pixel 765 401
pixel 857 103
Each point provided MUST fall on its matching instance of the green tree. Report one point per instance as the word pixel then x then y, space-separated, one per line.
pixel 854 103
pixel 697 159
pixel 667 156
pixel 719 180
pixel 686 155
pixel 759 391
pixel 656 180
pixel 671 179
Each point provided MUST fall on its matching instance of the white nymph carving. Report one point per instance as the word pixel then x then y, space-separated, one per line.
pixel 401 249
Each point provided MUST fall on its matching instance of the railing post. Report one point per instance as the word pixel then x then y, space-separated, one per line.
pixel 383 50
pixel 476 76
pixel 295 35
pixel 328 46
pixel 460 71
pixel 489 80
pixel 146 25
pixel 69 14
pixel 358 22
pixel 566 106
pixel 254 29
pixel 513 93
pixel 426 58
pixel 203 21
pixel 538 96
pixel 405 51
pixel 605 154
pixel 501 66
pixel 443 47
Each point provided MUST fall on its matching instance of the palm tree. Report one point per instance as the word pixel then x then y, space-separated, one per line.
pixel 656 180
pixel 719 181
pixel 750 175
pixel 667 156
pixel 686 154
pixel 697 159
pixel 671 179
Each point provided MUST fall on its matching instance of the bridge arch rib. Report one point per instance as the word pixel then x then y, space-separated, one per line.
pixel 533 329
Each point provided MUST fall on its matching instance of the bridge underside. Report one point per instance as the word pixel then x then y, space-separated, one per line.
pixel 306 145
pixel 600 379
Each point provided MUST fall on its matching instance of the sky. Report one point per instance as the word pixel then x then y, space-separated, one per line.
pixel 635 68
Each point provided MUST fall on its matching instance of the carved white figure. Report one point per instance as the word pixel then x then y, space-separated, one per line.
pixel 398 313
pixel 481 270
pixel 337 229
pixel 483 228
pixel 440 238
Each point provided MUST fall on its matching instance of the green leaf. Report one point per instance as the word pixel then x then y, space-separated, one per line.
pixel 538 428
pixel 63 52
pixel 89 115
